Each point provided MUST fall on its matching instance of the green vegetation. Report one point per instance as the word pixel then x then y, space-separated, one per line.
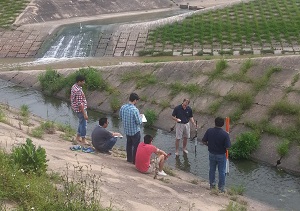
pixel 192 89
pixel 284 108
pixel 263 81
pixel 283 148
pixel 52 82
pixel 141 79
pixel 24 111
pixel 151 117
pixel 237 190
pixel 77 189
pixel 245 144
pixel 68 131
pixel 28 159
pixel 247 24
pixel 2 116
pixel 48 127
pixel 10 10
pixel 234 206
pixel 220 66
pixel 115 103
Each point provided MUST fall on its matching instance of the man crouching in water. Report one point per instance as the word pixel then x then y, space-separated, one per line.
pixel 143 161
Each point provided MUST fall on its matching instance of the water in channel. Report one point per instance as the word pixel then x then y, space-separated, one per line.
pixel 263 183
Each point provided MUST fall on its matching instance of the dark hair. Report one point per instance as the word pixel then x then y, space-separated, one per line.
pixel 148 139
pixel 219 122
pixel 80 78
pixel 133 97
pixel 186 100
pixel 102 121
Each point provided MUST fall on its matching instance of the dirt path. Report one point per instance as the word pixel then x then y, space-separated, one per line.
pixel 121 184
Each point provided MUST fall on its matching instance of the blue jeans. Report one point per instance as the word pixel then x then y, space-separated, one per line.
pixel 214 161
pixel 110 144
pixel 82 125
pixel 131 146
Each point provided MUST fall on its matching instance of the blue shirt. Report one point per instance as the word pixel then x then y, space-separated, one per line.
pixel 217 140
pixel 130 117
pixel 183 114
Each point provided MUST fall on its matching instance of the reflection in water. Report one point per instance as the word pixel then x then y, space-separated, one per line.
pixel 185 166
pixel 261 182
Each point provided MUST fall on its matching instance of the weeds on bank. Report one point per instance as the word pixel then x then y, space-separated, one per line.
pixel 24 181
pixel 52 82
pixel 2 116
pixel 10 10
pixel 283 148
pixel 50 127
pixel 234 206
pixel 140 78
pixel 192 89
pixel 151 117
pixel 24 112
pixel 220 66
pixel 169 171
pixel 251 23
pixel 263 81
pixel 245 144
pixel 237 190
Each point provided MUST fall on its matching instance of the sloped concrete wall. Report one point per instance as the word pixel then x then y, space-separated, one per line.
pixel 198 73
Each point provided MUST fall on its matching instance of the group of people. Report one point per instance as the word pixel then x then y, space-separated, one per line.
pixel 139 154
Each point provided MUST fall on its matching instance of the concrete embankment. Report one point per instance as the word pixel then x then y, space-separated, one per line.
pixel 207 90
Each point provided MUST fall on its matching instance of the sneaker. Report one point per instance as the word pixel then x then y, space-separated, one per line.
pixel 161 173
pixel 176 153
pixel 185 151
pixel 88 150
pixel 75 148
pixel 106 152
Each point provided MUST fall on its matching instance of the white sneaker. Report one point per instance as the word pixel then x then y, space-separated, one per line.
pixel 185 151
pixel 161 173
pixel 176 153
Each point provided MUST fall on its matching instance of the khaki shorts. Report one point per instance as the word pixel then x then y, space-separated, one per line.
pixel 153 164
pixel 182 130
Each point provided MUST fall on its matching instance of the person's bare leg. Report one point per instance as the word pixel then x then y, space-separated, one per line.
pixel 177 145
pixel 184 143
pixel 78 138
pixel 161 162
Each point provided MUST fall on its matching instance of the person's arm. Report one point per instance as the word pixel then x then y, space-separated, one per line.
pixel 204 139
pixel 193 121
pixel 174 114
pixel 81 105
pixel 161 152
pixel 137 117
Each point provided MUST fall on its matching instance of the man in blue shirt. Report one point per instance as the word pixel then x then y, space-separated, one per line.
pixel 131 119
pixel 182 115
pixel 218 142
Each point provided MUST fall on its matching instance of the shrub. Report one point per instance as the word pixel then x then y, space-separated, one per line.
pixel 51 81
pixel 283 148
pixel 151 117
pixel 30 159
pixel 245 144
pixel 115 103
pixel 2 116
pixel 24 110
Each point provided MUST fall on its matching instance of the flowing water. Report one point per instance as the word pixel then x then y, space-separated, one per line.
pixel 262 182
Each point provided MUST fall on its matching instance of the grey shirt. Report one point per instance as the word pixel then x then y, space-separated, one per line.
pixel 100 136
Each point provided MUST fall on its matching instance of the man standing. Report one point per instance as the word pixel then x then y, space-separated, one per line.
pixel 218 142
pixel 143 157
pixel 79 106
pixel 182 115
pixel 131 119
pixel 102 139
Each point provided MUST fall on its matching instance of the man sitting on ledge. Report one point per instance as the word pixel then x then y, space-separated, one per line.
pixel 143 161
pixel 102 139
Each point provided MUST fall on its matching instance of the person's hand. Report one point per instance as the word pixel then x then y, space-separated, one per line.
pixel 85 116
pixel 178 120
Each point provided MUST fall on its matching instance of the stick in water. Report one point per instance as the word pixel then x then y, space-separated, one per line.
pixel 196 137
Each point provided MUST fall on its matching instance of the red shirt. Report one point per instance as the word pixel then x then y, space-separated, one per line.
pixel 143 156
pixel 77 98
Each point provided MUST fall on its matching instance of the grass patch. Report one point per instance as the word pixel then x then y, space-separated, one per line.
pixel 234 206
pixel 263 81
pixel 245 144
pixel 115 103
pixel 283 148
pixel 192 89
pixel 141 79
pixel 284 108
pixel 10 10
pixel 76 189
pixel 237 190
pixel 169 171
pixel 151 117
pixel 214 106
pixel 220 66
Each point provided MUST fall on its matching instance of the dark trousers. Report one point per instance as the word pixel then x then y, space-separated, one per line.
pixel 131 146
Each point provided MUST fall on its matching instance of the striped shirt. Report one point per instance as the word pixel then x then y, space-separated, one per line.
pixel 77 98
pixel 130 117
